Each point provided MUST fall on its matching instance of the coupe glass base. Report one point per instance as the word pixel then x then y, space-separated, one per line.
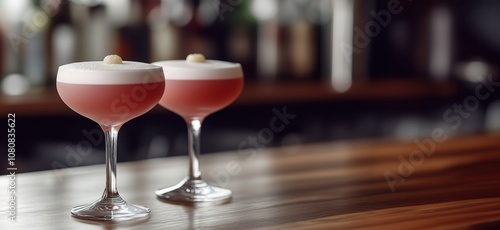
pixel 194 191
pixel 110 209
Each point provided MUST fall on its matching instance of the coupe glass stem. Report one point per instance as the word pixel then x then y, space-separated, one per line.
pixel 111 135
pixel 111 206
pixel 194 129
pixel 193 188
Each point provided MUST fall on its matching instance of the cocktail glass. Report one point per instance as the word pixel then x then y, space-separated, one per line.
pixel 110 94
pixel 193 91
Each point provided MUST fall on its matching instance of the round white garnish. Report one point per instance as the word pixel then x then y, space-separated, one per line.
pixel 195 58
pixel 112 59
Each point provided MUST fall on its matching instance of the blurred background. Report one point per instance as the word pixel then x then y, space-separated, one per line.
pixel 348 69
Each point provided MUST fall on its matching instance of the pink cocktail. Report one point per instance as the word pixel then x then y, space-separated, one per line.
pixel 110 104
pixel 195 90
pixel 110 94
pixel 199 98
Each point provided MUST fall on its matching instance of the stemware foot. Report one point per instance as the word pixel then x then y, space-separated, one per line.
pixel 110 209
pixel 194 191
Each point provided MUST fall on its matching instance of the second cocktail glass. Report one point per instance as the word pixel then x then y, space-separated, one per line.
pixel 194 90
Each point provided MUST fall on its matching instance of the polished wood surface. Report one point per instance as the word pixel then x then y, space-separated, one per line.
pixel 338 185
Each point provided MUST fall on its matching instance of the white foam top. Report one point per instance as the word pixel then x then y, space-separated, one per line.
pixel 99 73
pixel 208 70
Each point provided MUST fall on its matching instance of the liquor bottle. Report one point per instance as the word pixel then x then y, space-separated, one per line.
pixel 240 41
pixel 133 36
pixel 165 37
pixel 62 40
pixel 268 60
pixel 302 49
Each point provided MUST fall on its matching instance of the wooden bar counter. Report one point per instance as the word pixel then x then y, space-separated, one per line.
pixel 373 184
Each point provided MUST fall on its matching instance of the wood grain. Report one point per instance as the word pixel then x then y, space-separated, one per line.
pixel 337 185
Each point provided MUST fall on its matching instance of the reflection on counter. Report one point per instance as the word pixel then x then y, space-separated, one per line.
pixel 349 69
